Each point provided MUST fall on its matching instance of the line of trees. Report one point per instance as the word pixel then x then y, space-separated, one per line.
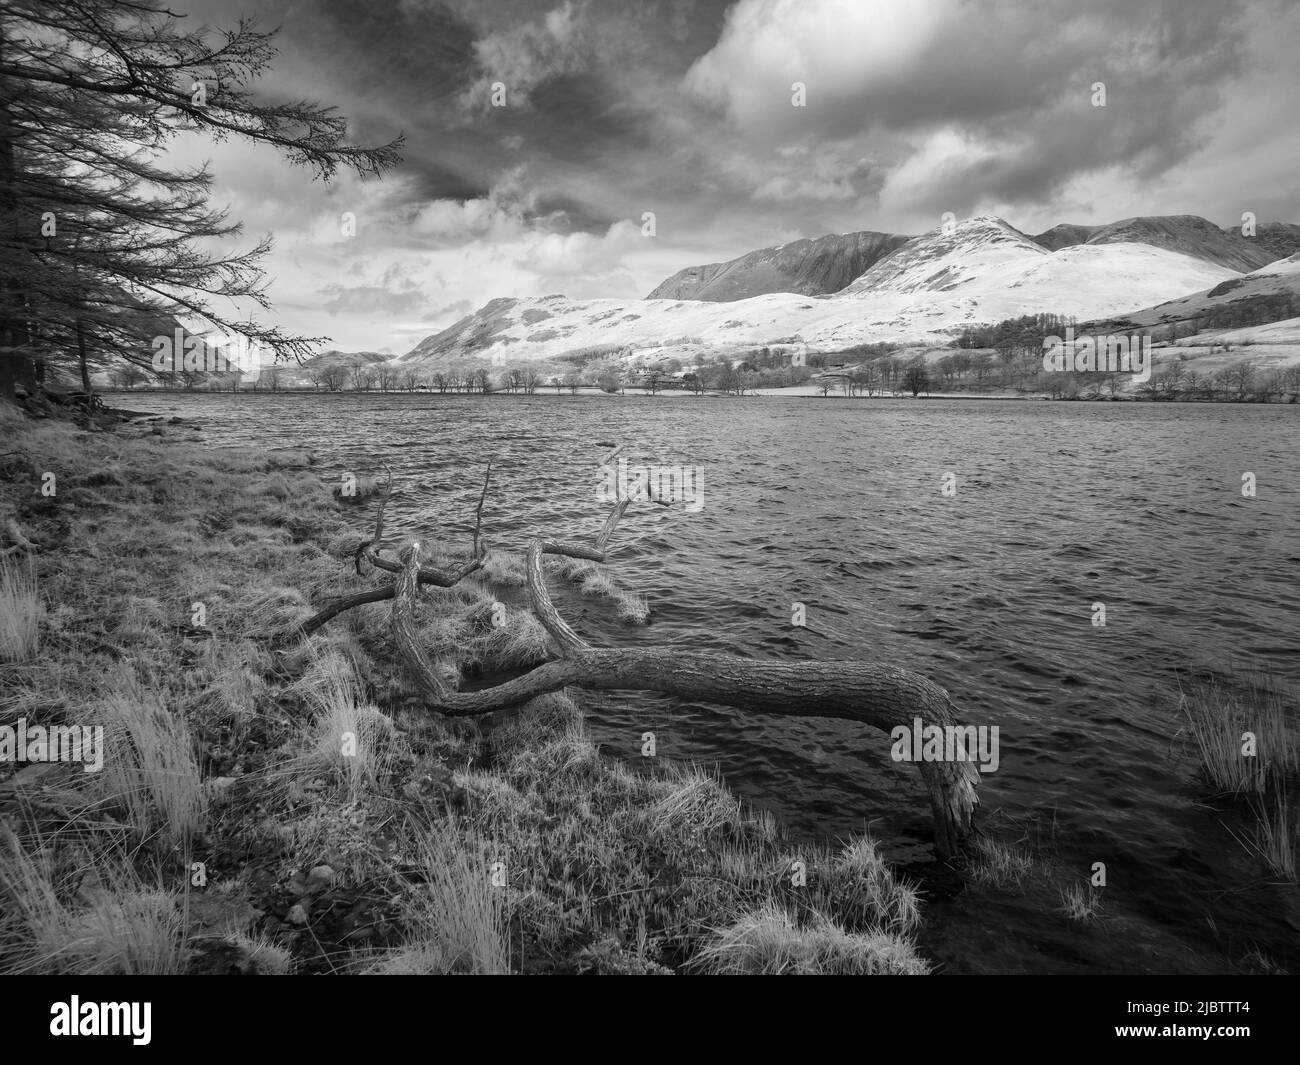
pixel 960 371
pixel 1240 383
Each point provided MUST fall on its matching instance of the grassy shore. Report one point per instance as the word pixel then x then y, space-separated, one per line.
pixel 272 804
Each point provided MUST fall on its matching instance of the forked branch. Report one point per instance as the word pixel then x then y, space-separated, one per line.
pixel 369 552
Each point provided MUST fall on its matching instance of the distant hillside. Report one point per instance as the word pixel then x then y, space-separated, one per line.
pixel 1270 294
pixel 1280 239
pixel 470 334
pixel 804 267
pixel 309 372
pixel 1188 234
pixel 334 357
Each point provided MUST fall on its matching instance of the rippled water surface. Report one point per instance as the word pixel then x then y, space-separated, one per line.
pixel 838 504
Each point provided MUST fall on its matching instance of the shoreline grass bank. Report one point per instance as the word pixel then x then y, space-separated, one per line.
pixel 273 805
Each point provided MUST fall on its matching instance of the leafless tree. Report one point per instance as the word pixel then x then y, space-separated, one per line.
pixel 1171 381
pixel 128 376
pixel 1238 378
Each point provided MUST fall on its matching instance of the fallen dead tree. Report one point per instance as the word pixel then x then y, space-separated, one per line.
pixel 883 697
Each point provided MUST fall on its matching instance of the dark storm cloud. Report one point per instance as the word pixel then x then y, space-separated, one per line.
pixel 613 106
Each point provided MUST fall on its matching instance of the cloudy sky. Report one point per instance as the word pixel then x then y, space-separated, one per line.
pixel 686 109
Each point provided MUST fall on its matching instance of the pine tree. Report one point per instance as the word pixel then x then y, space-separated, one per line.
pixel 102 246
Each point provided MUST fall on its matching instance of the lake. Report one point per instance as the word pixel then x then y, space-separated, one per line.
pixel 840 505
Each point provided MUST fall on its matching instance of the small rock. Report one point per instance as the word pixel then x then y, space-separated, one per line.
pixel 297 914
pixel 321 877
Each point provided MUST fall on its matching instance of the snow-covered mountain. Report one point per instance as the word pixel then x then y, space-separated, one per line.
pixel 948 258
pixel 978 271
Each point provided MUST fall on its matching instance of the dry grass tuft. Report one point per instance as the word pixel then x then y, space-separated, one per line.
pixel 1080 902
pixel 995 864
pixel 769 942
pixel 262 956
pixel 1224 715
pixel 57 918
pixel 1246 734
pixel 149 767
pixel 1276 835
pixel 346 736
pixel 20 611
pixel 457 916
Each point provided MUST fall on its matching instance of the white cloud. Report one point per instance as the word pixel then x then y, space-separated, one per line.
pixel 524 56
pixel 841 49
pixel 937 163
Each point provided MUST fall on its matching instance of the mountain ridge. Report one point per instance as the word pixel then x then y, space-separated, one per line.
pixel 1189 234
pixel 808 267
